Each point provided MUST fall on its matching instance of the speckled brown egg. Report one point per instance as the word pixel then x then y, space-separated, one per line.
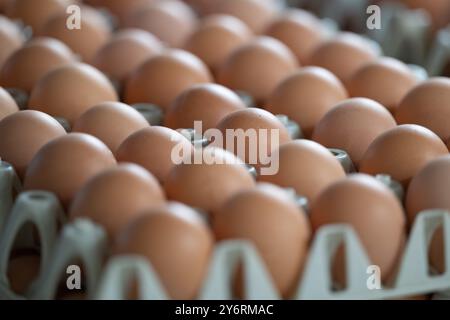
pixel 111 122
pixel 427 104
pixel 307 167
pixel 66 163
pixel 352 125
pixel 385 80
pixel 257 67
pixel 163 77
pixel 7 104
pixel 306 96
pixel 71 90
pixel 131 45
pixel 299 30
pixel 208 184
pixel 23 134
pixel 114 197
pixel 208 103
pixel 31 62
pixel 402 152
pixel 263 214
pixel 11 39
pixel 343 55
pixel 375 214
pixel 177 242
pixel 216 37
pixel 172 21
pixel 152 148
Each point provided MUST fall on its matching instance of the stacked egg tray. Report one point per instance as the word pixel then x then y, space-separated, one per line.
pixel 85 241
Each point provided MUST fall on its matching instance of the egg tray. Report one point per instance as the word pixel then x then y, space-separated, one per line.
pixel 85 242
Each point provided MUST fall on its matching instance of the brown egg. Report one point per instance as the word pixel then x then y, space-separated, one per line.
pixel 427 105
pixel 373 211
pixel 30 63
pixel 299 30
pixel 177 243
pixel 65 164
pixel 208 103
pixel 11 39
pixel 352 125
pixel 172 21
pixel 306 96
pixel 202 7
pixel 402 152
pixel 121 9
pixel 343 55
pixel 275 225
pixel 207 185
pixel 307 167
pixel 163 77
pixel 111 122
pixel 152 148
pixel 7 104
pixel 116 196
pixel 257 67
pixel 87 40
pixel 23 134
pixel 256 14
pixel 385 80
pixel 22 270
pixel 71 90
pixel 216 37
pixel 259 125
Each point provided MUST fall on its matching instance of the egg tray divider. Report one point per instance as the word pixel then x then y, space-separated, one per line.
pixel 85 241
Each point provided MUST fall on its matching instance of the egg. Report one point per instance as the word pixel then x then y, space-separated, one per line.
pixel 131 45
pixel 7 104
pixel 216 37
pixel 402 152
pixel 275 225
pixel 299 30
pixel 427 105
pixel 22 270
pixel 23 134
pixel 307 167
pixel 152 148
pixel 97 122
pixel 202 7
pixel 375 214
pixel 122 9
pixel 70 90
pixel 352 125
pixel 66 163
pixel 208 103
pixel 11 38
pixel 163 77
pixel 343 55
pixel 207 185
pixel 306 96
pixel 172 21
pixel 30 63
pixel 115 196
pixel 177 243
pixel 257 67
pixel 385 80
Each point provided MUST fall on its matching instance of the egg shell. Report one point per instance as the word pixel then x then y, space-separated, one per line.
pixel 7 104
pixel 177 243
pixel 152 148
pixel 306 96
pixel 402 152
pixel 23 134
pixel 427 104
pixel 71 90
pixel 66 163
pixel 275 225
pixel 163 77
pixel 373 211
pixel 121 9
pixel 257 67
pixel 115 196
pixel 208 103
pixel 352 125
pixel 27 65
pixel 22 270
pixel 11 39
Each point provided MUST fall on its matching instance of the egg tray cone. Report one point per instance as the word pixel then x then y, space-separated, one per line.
pixel 85 241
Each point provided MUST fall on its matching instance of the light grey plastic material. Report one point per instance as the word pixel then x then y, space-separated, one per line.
pixel 300 200
pixel 64 123
pixel 20 96
pixel 152 113
pixel 439 56
pixel 295 132
pixel 344 159
pixel 392 184
pixel 9 184
pixel 197 139
pixel 246 98
pixel 252 170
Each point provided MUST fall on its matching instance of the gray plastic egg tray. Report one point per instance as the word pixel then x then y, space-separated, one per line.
pixel 86 242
